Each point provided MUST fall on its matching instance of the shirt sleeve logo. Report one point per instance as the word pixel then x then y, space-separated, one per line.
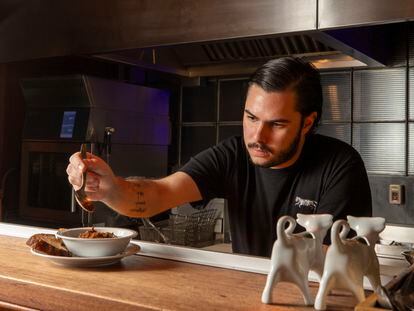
pixel 305 204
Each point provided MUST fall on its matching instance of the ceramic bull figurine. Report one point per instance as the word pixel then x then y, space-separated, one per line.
pixel 293 255
pixel 349 260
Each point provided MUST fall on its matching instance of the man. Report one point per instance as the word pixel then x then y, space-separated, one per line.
pixel 280 167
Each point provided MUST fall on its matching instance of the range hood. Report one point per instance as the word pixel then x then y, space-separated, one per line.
pixel 205 38
pixel 243 56
pixel 233 56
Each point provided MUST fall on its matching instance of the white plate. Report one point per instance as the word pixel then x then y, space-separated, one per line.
pixel 83 262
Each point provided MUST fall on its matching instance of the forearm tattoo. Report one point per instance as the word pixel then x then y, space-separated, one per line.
pixel 140 203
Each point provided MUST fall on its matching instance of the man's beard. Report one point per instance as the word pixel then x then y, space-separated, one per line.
pixel 283 155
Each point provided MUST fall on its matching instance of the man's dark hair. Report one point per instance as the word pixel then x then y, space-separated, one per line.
pixel 294 74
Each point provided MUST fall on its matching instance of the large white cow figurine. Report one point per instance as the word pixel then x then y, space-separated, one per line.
pixel 293 255
pixel 349 260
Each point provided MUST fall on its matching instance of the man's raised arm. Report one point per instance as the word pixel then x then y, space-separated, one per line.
pixel 134 198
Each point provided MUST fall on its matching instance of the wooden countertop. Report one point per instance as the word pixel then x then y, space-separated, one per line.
pixel 138 283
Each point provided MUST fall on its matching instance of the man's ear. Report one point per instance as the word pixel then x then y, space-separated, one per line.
pixel 308 122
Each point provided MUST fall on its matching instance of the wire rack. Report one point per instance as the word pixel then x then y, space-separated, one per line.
pixel 196 230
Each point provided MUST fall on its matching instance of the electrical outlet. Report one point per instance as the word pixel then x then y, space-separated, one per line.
pixel 396 194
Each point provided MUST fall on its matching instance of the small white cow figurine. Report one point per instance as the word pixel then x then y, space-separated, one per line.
pixel 293 255
pixel 349 260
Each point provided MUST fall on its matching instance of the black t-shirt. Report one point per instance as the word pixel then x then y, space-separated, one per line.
pixel 329 177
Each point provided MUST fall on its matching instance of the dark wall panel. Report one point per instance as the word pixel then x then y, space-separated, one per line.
pixel 196 139
pixel 200 103
pixel 232 98
pixel 396 214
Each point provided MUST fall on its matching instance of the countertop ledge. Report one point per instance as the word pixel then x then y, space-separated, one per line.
pixel 159 277
pixel 389 267
pixel 138 283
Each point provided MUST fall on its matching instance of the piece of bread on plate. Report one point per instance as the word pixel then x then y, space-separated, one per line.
pixel 48 244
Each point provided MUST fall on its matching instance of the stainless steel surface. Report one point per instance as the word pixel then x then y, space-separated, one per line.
pixel 380 95
pixel 178 36
pixel 343 13
pixel 231 56
pixel 334 48
pixel 138 113
pixel 45 26
pixel 250 49
pixel 80 194
pixel 108 144
pixel 90 220
pixel 403 234
pixel 72 202
pixel 352 43
pixel 148 222
pixel 239 66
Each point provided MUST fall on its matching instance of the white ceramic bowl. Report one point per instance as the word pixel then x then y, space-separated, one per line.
pixel 96 247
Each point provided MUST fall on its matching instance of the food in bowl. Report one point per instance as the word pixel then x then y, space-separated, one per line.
pixel 93 234
pixel 96 247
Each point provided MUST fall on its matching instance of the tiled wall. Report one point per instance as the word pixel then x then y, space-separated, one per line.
pixel 369 109
pixel 373 109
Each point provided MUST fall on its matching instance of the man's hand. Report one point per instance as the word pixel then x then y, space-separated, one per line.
pixel 100 180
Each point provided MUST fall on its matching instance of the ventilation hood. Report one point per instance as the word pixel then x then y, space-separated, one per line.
pixel 207 38
pixel 241 56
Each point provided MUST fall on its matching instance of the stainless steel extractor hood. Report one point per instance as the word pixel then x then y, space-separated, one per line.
pixel 374 46
pixel 232 57
pixel 197 37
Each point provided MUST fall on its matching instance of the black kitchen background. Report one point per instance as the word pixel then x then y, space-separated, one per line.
pixel 370 108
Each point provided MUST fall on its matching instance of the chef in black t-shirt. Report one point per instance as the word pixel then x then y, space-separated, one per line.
pixel 279 166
